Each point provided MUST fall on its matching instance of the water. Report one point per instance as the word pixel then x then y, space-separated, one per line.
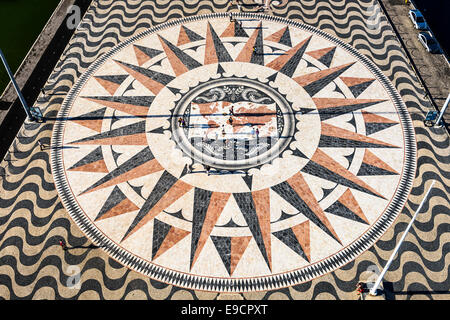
pixel 21 22
pixel 437 13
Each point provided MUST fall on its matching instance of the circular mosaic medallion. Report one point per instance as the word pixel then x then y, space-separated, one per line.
pixel 238 154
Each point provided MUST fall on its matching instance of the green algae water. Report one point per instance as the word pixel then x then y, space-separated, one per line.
pixel 21 22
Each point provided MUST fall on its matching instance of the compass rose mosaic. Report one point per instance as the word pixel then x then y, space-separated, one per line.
pixel 233 155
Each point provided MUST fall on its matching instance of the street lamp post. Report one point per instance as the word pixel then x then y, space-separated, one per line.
pixel 374 289
pixel 437 123
pixel 19 93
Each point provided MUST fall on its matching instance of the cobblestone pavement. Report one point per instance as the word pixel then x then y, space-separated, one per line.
pixel 237 232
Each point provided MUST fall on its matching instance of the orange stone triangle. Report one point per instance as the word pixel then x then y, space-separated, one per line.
pixel 373 160
pixel 177 65
pixel 95 125
pixel 137 172
pixel 302 233
pixel 279 62
pixel 216 204
pixel 351 81
pixel 138 139
pixel 150 84
pixel 210 50
pixel 373 118
pixel 140 56
pixel 183 38
pixel 229 31
pixel 238 247
pixel 299 184
pixel 348 200
pixel 122 207
pixel 317 54
pixel 97 166
pixel 174 236
pixel 332 131
pixel 124 107
pixel 173 194
pixel 246 53
pixel 326 161
pixel 261 200
pixel 315 76
pixel 324 103
pixel 109 86
pixel 276 37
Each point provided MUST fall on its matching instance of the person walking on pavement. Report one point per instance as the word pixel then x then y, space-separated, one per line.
pixel 359 289
pixel 62 244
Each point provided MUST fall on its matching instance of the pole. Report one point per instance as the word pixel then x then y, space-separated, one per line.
pixel 374 289
pixel 19 93
pixel 443 110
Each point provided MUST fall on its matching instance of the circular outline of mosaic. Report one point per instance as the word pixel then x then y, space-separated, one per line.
pixel 328 170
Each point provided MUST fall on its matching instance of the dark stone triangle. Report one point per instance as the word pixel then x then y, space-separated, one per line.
pixel 248 181
pixel 138 127
pixel 231 224
pixel 317 170
pixel 327 58
pixel 239 31
pixel 247 207
pixel 359 88
pixel 154 75
pixel 220 69
pixel 173 90
pixel 298 153
pixel 165 182
pixel 369 170
pixel 201 203
pixel 290 66
pixel 159 130
pixel 372 127
pixel 352 121
pixel 137 189
pixel 340 210
pixel 337 142
pixel 306 110
pixel 117 79
pixel 223 247
pixel 258 54
pixel 130 86
pixel 328 113
pixel 94 115
pixel 221 53
pixel 350 158
pixel 326 192
pixel 160 231
pixel 288 237
pixel 93 156
pixel 143 101
pixel 184 172
pixel 186 59
pixel 286 38
pixel 318 85
pixel 285 216
pixel 150 52
pixel 273 77
pixel 135 161
pixel 113 200
pixel 290 195
pixel 177 214
pixel 192 35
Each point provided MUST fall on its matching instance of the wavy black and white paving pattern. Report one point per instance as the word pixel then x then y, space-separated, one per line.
pixel 33 220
